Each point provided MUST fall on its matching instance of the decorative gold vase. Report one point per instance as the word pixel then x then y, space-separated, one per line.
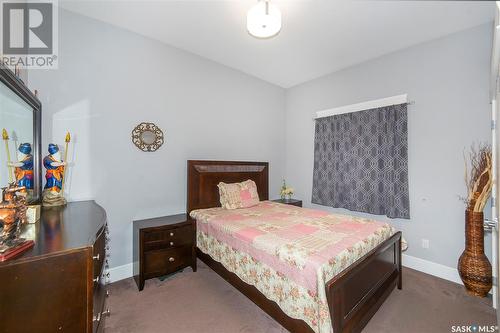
pixel 473 266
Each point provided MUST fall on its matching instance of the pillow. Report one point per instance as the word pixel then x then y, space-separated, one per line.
pixel 238 195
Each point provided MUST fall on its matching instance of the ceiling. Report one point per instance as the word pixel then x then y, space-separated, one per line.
pixel 318 36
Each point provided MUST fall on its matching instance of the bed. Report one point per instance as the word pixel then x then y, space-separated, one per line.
pixel 332 286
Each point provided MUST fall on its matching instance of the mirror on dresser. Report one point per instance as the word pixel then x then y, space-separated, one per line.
pixel 20 146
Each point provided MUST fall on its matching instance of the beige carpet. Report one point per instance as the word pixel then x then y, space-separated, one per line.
pixel 190 302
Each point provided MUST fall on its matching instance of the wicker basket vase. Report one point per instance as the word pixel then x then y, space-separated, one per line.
pixel 473 266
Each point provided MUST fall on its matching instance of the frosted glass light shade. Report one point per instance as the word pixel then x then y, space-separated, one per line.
pixel 264 20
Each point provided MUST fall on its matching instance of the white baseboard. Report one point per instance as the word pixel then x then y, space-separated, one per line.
pixel 429 267
pixel 448 273
pixel 121 272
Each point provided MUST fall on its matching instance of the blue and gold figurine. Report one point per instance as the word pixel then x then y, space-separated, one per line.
pixel 52 194
pixel 23 168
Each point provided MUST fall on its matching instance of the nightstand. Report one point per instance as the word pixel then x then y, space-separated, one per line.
pixel 293 202
pixel 163 245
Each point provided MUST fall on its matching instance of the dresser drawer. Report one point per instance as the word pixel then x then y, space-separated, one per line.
pixel 99 252
pixel 102 324
pixel 161 262
pixel 100 308
pixel 169 237
pixel 99 301
pixel 99 318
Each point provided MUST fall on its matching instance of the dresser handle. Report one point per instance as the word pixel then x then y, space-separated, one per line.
pixel 171 259
pixel 96 257
pixel 171 234
pixel 106 313
pixel 96 280
pixel 97 317
pixel 107 293
pixel 171 243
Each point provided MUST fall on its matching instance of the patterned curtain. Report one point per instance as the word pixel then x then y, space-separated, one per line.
pixel 361 161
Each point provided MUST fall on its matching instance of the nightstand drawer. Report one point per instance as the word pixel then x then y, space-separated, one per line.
pixel 168 237
pixel 161 262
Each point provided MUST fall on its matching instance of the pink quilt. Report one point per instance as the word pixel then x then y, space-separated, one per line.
pixel 301 248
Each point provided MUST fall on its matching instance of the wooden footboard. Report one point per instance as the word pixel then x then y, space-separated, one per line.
pixel 356 294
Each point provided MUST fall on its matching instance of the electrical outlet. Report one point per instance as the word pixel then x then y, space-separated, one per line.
pixel 425 243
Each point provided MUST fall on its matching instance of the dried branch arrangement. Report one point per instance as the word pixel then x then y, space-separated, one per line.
pixel 479 179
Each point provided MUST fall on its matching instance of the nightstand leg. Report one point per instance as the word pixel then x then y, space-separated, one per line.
pixel 193 259
pixel 139 281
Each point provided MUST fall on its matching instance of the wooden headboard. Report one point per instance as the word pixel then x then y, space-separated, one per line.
pixel 203 177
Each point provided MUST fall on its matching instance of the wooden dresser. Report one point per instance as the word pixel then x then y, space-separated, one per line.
pixel 163 245
pixel 60 284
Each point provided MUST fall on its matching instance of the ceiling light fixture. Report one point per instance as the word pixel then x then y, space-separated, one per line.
pixel 264 20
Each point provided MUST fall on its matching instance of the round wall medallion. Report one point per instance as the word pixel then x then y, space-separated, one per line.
pixel 147 137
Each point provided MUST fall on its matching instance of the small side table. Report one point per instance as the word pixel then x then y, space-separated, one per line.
pixel 163 245
pixel 293 202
